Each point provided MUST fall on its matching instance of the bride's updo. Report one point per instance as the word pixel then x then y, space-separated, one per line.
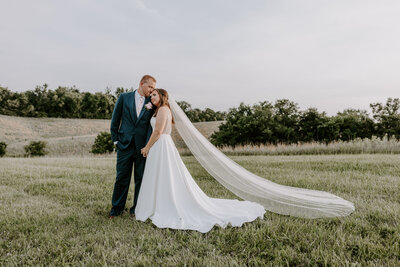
pixel 163 101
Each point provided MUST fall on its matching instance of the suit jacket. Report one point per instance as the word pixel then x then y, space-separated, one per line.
pixel 127 126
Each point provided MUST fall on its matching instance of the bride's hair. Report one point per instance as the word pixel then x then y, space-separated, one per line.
pixel 163 101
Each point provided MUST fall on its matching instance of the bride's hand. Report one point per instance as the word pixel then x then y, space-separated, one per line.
pixel 145 151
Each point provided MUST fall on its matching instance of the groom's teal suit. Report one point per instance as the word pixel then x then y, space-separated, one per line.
pixel 132 133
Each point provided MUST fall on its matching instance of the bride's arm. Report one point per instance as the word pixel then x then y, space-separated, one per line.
pixel 162 116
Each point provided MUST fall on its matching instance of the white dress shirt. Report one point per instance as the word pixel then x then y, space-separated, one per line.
pixel 139 101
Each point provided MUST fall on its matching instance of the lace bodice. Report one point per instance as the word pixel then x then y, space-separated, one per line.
pixel 168 124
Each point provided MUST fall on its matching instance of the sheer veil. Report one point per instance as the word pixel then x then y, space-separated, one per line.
pixel 274 197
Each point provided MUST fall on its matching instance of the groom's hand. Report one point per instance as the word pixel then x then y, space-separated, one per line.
pixel 115 146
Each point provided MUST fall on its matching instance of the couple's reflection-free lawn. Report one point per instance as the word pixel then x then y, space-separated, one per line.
pixel 54 212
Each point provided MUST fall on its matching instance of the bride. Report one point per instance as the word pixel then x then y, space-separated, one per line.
pixel 171 198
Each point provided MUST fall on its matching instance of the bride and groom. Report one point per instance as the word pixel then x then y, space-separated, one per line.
pixel 166 193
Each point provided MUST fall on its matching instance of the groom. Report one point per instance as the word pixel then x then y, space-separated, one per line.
pixel 130 131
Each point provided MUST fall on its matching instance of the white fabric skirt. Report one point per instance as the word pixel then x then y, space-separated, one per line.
pixel 171 198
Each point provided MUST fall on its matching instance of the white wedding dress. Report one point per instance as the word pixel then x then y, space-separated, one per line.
pixel 171 198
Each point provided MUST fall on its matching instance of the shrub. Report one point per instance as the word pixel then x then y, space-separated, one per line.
pixel 103 144
pixel 35 148
pixel 3 147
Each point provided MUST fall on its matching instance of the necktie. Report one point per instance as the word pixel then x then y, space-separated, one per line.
pixel 139 105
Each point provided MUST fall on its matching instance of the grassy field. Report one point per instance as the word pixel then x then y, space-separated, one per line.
pixel 53 211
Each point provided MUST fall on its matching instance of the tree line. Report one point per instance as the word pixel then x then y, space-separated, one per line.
pixel 265 122
pixel 63 102
pixel 284 122
pixel 198 115
pixel 69 102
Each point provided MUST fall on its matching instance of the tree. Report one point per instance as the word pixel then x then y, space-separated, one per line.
pixel 198 115
pixel 3 147
pixel 18 104
pixel 88 106
pixel 387 117
pixel 121 90
pixel 185 106
pixel 35 148
pixel 354 123
pixel 104 106
pixel 5 95
pixel 311 125
pixel 38 98
pixel 286 117
pixel 103 144
pixel 68 102
pixel 246 125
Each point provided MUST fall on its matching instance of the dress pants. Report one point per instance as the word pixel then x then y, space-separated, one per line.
pixel 126 159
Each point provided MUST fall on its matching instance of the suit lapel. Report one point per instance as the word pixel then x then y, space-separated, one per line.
pixel 133 107
pixel 146 100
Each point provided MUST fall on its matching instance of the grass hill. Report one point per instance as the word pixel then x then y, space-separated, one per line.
pixel 67 136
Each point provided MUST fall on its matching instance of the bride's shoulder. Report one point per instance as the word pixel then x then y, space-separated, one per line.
pixel 164 110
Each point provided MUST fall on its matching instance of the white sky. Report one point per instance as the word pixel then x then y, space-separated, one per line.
pixel 212 53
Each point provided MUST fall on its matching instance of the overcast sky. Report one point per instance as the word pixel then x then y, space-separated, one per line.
pixel 212 53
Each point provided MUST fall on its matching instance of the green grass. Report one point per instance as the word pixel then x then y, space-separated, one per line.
pixel 53 211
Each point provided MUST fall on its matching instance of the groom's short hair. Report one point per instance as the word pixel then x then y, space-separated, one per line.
pixel 147 77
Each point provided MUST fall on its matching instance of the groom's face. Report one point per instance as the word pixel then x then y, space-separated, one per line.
pixel 148 87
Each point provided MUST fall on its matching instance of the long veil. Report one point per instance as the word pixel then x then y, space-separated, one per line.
pixel 274 197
